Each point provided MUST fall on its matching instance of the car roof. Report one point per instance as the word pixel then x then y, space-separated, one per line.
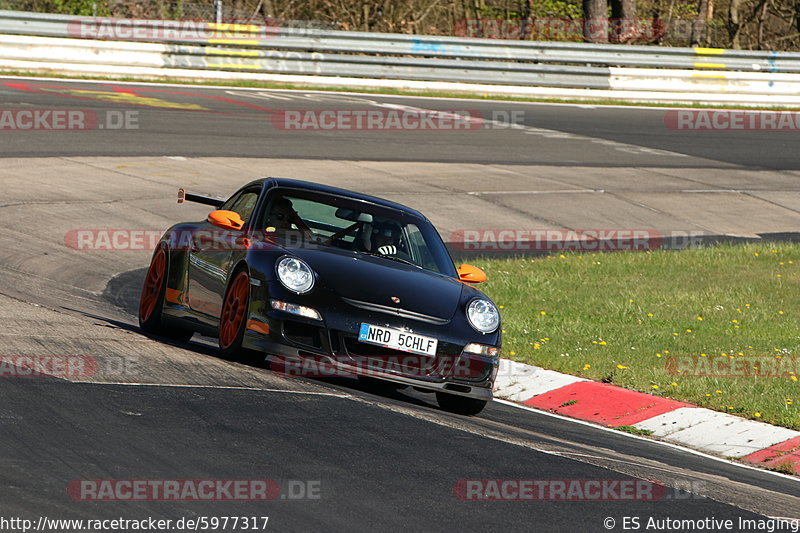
pixel 318 187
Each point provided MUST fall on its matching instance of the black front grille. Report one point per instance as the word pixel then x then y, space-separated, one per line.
pixel 472 369
pixel 304 334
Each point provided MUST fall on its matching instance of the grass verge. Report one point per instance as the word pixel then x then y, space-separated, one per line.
pixel 717 327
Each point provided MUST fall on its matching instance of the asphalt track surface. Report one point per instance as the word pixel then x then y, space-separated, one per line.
pixel 237 123
pixel 383 459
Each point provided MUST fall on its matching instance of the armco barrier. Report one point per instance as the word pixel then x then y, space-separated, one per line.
pixel 32 41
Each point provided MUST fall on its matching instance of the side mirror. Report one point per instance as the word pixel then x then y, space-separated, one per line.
pixel 226 219
pixel 471 274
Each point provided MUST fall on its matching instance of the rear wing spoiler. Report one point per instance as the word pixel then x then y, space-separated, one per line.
pixel 184 196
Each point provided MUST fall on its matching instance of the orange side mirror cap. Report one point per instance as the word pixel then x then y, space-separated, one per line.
pixel 226 219
pixel 471 274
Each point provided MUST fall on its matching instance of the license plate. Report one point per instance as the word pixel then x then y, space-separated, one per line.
pixel 397 339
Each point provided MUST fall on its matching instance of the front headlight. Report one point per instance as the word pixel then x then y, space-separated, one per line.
pixel 482 349
pixel 295 275
pixel 483 315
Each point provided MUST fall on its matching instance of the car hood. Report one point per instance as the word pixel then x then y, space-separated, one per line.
pixel 377 280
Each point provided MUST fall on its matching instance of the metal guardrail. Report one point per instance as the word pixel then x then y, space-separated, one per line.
pixel 260 49
pixel 313 40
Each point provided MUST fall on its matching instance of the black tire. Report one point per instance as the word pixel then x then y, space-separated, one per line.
pixel 460 405
pixel 151 301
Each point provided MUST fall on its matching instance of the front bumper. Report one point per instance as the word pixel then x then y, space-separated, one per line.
pixel 330 348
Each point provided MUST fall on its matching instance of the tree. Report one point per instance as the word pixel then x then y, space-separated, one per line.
pixel 595 21
pixel 704 11
pixel 624 25
pixel 734 23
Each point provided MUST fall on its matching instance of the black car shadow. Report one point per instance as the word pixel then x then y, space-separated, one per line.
pixel 123 292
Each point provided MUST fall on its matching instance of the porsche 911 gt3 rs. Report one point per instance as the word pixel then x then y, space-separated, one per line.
pixel 299 271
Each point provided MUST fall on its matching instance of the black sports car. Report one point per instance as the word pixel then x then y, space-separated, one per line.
pixel 327 282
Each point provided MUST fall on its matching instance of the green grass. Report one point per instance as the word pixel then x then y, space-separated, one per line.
pixel 252 84
pixel 633 430
pixel 619 317
pixel 784 468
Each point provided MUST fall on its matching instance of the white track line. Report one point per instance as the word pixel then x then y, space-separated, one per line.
pixel 224 387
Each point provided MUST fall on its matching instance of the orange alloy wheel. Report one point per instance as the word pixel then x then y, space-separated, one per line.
pixel 234 310
pixel 152 286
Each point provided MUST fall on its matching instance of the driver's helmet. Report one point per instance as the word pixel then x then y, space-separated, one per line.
pixel 386 233
pixel 388 230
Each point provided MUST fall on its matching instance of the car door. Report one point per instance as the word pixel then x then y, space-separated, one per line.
pixel 212 253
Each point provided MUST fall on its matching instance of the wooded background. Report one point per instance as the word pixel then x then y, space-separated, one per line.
pixel 745 24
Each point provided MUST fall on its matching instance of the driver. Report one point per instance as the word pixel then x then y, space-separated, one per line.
pixel 283 218
pixel 281 215
pixel 386 239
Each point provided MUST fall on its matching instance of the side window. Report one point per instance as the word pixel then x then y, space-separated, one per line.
pixel 243 204
pixel 419 248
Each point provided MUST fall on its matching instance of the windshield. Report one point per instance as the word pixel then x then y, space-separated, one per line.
pixel 297 218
